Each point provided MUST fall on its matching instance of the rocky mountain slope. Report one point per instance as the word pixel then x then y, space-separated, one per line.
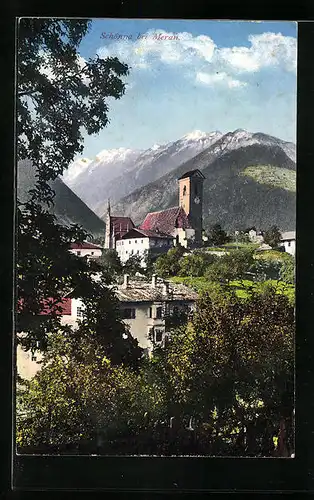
pixel 68 208
pixel 232 195
pixel 115 173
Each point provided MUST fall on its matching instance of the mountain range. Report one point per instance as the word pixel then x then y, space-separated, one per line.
pixel 116 173
pixel 237 192
pixel 250 179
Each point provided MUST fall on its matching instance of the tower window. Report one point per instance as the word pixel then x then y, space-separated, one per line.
pixel 184 190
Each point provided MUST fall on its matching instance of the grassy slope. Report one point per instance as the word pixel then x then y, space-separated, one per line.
pixel 241 287
pixel 272 176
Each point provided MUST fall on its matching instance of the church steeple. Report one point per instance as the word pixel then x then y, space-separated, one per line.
pixel 191 200
pixel 108 226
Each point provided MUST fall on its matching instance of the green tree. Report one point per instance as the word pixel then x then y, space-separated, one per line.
pixel 272 236
pixel 168 264
pixel 231 371
pixel 111 262
pixel 59 97
pixel 234 265
pixel 195 264
pixel 287 271
pixel 78 397
pixel 217 236
pixel 133 265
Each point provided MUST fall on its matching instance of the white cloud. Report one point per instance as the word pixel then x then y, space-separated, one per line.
pixel 267 49
pixel 218 77
pixel 144 51
pixel 200 55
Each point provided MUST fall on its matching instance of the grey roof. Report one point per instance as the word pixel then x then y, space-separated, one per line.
pixel 288 235
pixel 142 291
pixel 192 173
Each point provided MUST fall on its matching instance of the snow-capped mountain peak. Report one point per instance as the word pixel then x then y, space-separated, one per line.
pixel 76 168
pixel 194 135
pixel 107 155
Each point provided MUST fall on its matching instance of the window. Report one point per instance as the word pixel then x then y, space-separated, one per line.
pixel 128 313
pixel 126 251
pixel 79 312
pixel 78 252
pixel 34 358
pixel 150 312
pixel 289 243
pixel 137 251
pixel 122 242
pixel 135 241
pixel 92 253
pixel 141 241
pixel 184 190
pixel 158 312
pixel 158 335
pixel 129 242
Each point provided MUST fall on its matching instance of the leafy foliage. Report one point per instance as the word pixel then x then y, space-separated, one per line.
pixel 272 236
pixel 59 97
pixel 195 264
pixel 217 236
pixel 111 262
pixel 234 265
pixel 168 264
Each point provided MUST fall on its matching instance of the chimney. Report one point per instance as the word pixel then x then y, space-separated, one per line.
pixel 126 281
pixel 154 280
pixel 165 288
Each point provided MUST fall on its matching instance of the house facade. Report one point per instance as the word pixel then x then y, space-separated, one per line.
pixel 139 242
pixel 288 240
pixel 147 305
pixel 86 249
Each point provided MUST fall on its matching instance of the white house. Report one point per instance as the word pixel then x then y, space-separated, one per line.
pixel 255 236
pixel 28 363
pixel 139 242
pixel 288 239
pixel 86 249
pixel 146 305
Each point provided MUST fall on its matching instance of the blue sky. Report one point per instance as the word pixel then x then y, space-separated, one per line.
pixel 217 75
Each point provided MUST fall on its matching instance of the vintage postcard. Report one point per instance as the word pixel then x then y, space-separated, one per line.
pixel 156 222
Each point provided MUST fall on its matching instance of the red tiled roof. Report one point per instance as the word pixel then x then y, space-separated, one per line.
pixel 65 304
pixel 166 220
pixel 85 245
pixel 120 226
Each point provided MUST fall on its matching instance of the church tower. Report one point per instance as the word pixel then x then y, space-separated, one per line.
pixel 108 227
pixel 191 200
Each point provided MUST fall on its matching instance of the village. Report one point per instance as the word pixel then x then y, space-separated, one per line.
pixel 147 302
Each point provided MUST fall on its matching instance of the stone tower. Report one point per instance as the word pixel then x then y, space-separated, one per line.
pixel 191 200
pixel 108 227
